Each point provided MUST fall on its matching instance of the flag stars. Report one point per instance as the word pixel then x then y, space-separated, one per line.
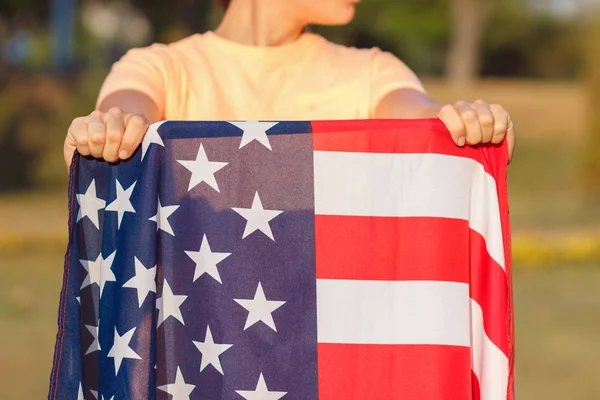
pixel 260 309
pixel 143 282
pixel 257 218
pixel 90 205
pixel 122 203
pixel 162 218
pixel 202 170
pixel 206 260
pixel 99 271
pixel 255 130
pixel 152 136
pixel 95 346
pixel 80 393
pixel 261 392
pixel 211 352
pixel 169 305
pixel 95 393
pixel 121 349
pixel 180 390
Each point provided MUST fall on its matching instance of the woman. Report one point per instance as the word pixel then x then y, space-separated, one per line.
pixel 261 64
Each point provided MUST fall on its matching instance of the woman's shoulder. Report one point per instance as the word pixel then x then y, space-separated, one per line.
pixel 337 52
pixel 160 51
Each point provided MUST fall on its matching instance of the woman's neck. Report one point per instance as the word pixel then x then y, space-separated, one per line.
pixel 259 23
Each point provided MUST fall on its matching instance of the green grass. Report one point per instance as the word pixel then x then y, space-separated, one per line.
pixel 557 324
pixel 557 341
pixel 544 187
pixel 29 293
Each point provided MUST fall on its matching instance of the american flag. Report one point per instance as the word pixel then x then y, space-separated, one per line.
pixel 331 260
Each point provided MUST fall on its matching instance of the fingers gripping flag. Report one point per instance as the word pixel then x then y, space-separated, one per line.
pixel 261 260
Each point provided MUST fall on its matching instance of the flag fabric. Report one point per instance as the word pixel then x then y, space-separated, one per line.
pixel 331 260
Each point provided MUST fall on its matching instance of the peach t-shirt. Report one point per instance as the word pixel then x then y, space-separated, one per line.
pixel 205 77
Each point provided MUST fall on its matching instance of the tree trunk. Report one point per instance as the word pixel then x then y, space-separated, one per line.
pixel 468 27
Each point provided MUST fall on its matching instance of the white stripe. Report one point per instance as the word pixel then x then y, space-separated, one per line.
pixel 393 312
pixel 409 185
pixel 488 362
pixel 485 213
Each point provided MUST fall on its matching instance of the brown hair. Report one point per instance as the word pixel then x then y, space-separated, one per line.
pixel 223 3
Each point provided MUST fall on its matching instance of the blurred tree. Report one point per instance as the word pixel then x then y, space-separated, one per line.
pixel 174 19
pixel 30 108
pixel 11 7
pixel 416 31
pixel 537 44
pixel 468 26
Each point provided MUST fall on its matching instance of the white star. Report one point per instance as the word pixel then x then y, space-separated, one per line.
pixel 80 393
pixel 99 271
pixel 255 130
pixel 179 390
pixel 260 309
pixel 206 260
pixel 90 205
pixel 78 300
pixel 96 395
pixel 261 392
pixel 122 204
pixel 202 170
pixel 143 281
pixel 162 217
pixel 169 305
pixel 211 351
pixel 152 136
pixel 257 218
pixel 95 346
pixel 121 349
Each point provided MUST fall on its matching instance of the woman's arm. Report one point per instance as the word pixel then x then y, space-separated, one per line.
pixel 407 103
pixel 131 97
pixel 115 129
pixel 468 123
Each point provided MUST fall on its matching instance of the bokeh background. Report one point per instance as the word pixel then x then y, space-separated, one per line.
pixel 538 58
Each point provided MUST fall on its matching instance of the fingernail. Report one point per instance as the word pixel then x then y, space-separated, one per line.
pixel 123 154
pixel 461 141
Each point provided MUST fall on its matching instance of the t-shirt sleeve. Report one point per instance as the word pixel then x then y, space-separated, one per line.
pixel 145 70
pixel 388 74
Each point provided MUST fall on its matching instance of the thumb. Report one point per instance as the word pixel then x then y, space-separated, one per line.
pixel 510 140
pixel 68 150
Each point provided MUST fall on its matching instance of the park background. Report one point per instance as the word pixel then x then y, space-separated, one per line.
pixel 538 58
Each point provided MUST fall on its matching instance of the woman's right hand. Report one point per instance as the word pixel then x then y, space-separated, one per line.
pixel 112 135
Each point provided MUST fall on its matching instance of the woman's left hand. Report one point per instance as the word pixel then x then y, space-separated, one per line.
pixel 478 122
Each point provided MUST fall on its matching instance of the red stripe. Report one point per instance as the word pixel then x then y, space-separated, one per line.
pixel 415 248
pixel 391 248
pixel 500 174
pixel 382 372
pixel 476 391
pixel 489 288
pixel 334 126
pixel 397 136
